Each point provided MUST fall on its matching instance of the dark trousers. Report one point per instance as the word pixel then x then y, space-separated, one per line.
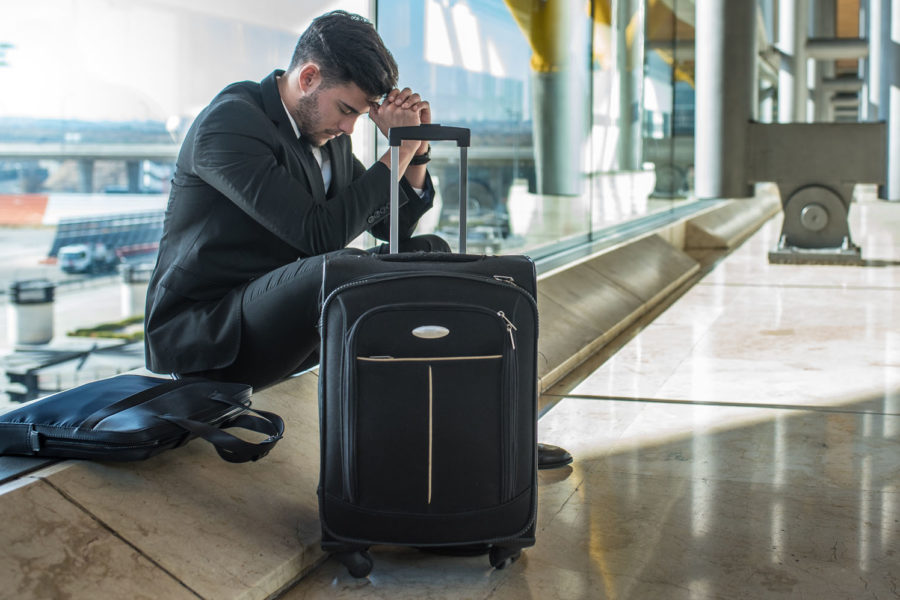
pixel 280 314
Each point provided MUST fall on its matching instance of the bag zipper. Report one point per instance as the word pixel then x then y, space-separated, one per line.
pixel 60 438
pixel 42 441
pixel 58 443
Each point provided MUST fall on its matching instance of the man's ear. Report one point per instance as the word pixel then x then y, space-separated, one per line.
pixel 309 77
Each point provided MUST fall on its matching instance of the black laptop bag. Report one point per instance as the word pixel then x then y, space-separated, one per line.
pixel 134 417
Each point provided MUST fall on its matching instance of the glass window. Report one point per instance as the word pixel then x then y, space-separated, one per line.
pixel 96 98
pixel 668 123
pixel 581 116
pixel 556 95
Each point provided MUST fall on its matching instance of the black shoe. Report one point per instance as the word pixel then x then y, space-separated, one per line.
pixel 552 457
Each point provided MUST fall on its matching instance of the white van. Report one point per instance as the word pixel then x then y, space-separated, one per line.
pixel 87 258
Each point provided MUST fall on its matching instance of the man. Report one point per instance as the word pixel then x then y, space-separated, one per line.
pixel 265 185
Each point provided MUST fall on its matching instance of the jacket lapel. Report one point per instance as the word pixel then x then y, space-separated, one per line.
pixel 337 168
pixel 275 110
pixel 312 169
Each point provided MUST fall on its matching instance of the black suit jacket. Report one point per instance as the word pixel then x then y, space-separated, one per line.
pixel 247 197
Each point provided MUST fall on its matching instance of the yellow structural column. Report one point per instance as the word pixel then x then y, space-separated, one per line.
pixel 559 35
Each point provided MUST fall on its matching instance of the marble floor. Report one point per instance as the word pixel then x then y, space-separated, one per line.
pixel 743 444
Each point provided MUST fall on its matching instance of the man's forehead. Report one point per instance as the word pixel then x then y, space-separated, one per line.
pixel 351 95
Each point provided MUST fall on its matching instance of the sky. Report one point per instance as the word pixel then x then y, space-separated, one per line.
pixel 140 59
pixel 163 60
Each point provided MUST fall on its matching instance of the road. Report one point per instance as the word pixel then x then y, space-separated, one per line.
pixel 79 301
pixel 23 255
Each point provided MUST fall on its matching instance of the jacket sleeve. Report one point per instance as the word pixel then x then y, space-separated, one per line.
pixel 412 206
pixel 238 151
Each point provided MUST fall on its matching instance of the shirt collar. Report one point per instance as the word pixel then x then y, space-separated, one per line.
pixel 291 119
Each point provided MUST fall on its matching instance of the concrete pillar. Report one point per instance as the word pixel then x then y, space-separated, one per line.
pixel 873 67
pixel 31 177
pixel 890 95
pixel 726 79
pixel 628 59
pixel 882 90
pixel 793 28
pixel 823 27
pixel 767 105
pixel 865 15
pixel 559 34
pixel 85 175
pixel 133 170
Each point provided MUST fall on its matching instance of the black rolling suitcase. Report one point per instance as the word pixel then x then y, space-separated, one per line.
pixel 428 397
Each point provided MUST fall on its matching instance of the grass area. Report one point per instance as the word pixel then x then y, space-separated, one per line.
pixel 130 330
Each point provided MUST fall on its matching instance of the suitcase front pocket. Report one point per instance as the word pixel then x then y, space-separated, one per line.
pixel 429 433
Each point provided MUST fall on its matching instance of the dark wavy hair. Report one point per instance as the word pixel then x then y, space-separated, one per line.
pixel 347 49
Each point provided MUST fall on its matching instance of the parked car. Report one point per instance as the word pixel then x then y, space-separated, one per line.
pixel 87 258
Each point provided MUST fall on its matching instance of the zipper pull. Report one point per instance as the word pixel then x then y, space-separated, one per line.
pixel 505 279
pixel 35 439
pixel 509 327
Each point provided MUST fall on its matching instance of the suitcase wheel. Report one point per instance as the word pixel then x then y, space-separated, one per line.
pixel 501 557
pixel 359 563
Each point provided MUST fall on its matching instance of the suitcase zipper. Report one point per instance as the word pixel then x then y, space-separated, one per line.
pixel 510 328
pixel 500 280
pixel 506 279
pixel 382 358
pixel 348 429
pixel 510 366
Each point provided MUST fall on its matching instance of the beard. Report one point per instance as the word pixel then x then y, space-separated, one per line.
pixel 309 121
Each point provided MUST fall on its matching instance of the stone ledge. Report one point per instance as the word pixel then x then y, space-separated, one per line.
pixel 52 548
pixel 726 226
pixel 186 524
pixel 585 305
pixel 186 519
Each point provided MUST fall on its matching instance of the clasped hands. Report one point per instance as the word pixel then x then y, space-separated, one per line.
pixel 402 108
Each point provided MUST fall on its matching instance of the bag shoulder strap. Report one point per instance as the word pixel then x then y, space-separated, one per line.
pixel 233 448
pixel 164 387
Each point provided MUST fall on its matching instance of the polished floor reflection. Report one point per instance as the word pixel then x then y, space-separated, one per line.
pixel 742 445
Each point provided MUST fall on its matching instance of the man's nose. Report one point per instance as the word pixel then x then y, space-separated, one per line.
pixel 346 125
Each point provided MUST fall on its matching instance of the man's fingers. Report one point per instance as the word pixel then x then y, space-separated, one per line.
pixel 424 110
pixel 400 108
pixel 411 101
pixel 404 98
pixel 398 97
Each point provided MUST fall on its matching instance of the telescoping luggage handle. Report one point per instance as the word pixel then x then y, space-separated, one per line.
pixel 430 132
